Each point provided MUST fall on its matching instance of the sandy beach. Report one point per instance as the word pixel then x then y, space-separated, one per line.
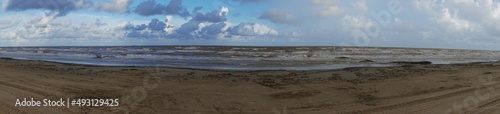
pixel 411 88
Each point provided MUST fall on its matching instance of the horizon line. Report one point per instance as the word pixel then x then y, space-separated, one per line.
pixel 250 46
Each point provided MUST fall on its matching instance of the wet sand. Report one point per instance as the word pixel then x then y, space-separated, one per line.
pixel 412 88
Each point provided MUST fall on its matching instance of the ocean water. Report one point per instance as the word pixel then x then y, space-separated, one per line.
pixel 246 58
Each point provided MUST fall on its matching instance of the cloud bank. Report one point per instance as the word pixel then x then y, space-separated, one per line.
pixel 210 25
pixel 439 23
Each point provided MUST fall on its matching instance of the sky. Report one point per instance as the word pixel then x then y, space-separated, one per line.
pixel 458 24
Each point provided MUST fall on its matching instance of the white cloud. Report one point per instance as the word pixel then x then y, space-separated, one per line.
pixel 170 27
pixel 326 8
pixel 465 20
pixel 224 11
pixel 252 29
pixel 453 22
pixel 9 23
pixel 42 21
pixel 361 5
pixel 360 22
pixel 64 29
pixel 118 6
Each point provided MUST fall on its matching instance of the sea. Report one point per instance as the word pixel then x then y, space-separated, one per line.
pixel 246 58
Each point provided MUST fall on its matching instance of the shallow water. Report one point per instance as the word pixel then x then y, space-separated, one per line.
pixel 245 58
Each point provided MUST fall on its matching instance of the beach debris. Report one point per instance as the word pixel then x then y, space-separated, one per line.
pixel 366 61
pixel 341 57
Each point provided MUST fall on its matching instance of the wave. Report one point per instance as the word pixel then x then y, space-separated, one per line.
pixel 261 58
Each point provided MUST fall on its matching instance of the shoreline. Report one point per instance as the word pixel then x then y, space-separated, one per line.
pixel 241 59
pixel 185 68
pixel 426 88
pixel 391 64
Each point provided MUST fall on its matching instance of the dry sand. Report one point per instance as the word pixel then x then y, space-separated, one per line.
pixel 427 89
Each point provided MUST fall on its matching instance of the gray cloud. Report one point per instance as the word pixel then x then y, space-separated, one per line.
pixel 156 25
pixel 192 27
pixel 150 7
pixel 214 17
pixel 188 28
pixel 196 10
pixel 175 7
pixel 62 7
pixel 214 31
pixel 211 25
pixel 130 26
pixel 57 8
pixel 278 16
pixel 155 28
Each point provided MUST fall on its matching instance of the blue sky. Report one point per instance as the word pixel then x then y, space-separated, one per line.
pixel 464 24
